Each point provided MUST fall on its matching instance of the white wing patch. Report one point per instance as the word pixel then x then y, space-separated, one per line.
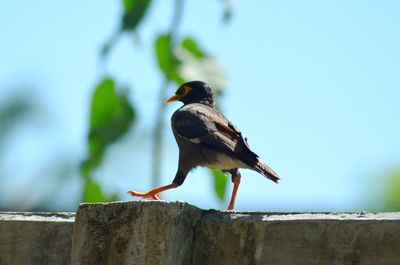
pixel 192 140
pixel 195 140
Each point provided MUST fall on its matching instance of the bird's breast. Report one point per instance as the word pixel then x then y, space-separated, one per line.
pixel 222 161
pixel 195 154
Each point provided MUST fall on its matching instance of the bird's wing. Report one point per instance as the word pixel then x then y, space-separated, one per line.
pixel 205 126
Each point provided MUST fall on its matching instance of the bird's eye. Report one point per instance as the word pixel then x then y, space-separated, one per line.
pixel 183 91
pixel 186 91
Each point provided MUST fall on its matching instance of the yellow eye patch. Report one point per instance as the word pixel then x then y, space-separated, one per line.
pixel 185 90
pixel 182 92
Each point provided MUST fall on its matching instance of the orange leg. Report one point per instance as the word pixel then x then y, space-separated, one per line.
pixel 152 193
pixel 236 183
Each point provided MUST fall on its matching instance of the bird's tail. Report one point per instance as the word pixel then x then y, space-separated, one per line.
pixel 266 171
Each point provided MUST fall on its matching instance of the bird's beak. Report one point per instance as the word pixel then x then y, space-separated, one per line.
pixel 173 98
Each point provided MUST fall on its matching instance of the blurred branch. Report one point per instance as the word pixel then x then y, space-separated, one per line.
pixel 158 138
pixel 228 10
pixel 133 14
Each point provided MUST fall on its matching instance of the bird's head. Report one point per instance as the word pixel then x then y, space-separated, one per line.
pixel 193 92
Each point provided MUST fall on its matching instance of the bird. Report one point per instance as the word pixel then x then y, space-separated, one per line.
pixel 206 138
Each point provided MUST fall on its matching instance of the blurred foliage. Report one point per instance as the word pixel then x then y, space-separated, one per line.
pixel 21 108
pixel 391 196
pixel 220 183
pixel 15 110
pixel 111 116
pixel 134 12
pixel 167 61
pixel 180 59
pixel 186 61
pixel 228 10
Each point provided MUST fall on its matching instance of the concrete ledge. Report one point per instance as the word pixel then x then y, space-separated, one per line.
pixel 134 233
pixel 35 238
pixel 298 238
pixel 177 233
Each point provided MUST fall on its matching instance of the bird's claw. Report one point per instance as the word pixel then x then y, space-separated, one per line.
pixel 146 195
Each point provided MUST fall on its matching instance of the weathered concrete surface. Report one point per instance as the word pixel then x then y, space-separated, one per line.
pixel 178 233
pixel 260 238
pixel 149 232
pixel 35 238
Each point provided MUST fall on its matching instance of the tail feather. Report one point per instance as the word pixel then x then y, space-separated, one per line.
pixel 266 171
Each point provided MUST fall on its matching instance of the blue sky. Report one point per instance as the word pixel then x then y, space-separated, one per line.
pixel 314 85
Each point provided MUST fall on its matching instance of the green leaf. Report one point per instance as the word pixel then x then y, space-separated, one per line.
pixel 92 192
pixel 111 116
pixel 392 193
pixel 220 183
pixel 191 46
pixel 198 65
pixel 163 52
pixel 166 59
pixel 134 12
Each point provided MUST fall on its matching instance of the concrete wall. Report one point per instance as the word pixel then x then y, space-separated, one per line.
pixel 178 233
pixel 35 238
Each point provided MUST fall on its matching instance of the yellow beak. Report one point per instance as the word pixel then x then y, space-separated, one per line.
pixel 173 98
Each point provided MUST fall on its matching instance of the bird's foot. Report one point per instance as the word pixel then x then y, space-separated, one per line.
pixel 152 194
pixel 146 195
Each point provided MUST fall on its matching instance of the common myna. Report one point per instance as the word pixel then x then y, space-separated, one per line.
pixel 206 138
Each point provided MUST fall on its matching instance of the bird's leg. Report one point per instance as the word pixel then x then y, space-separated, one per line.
pixel 236 181
pixel 152 193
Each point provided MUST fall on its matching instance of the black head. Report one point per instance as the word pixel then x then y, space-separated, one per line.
pixel 194 92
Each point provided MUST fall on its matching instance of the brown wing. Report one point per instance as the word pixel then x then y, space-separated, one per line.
pixel 205 126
